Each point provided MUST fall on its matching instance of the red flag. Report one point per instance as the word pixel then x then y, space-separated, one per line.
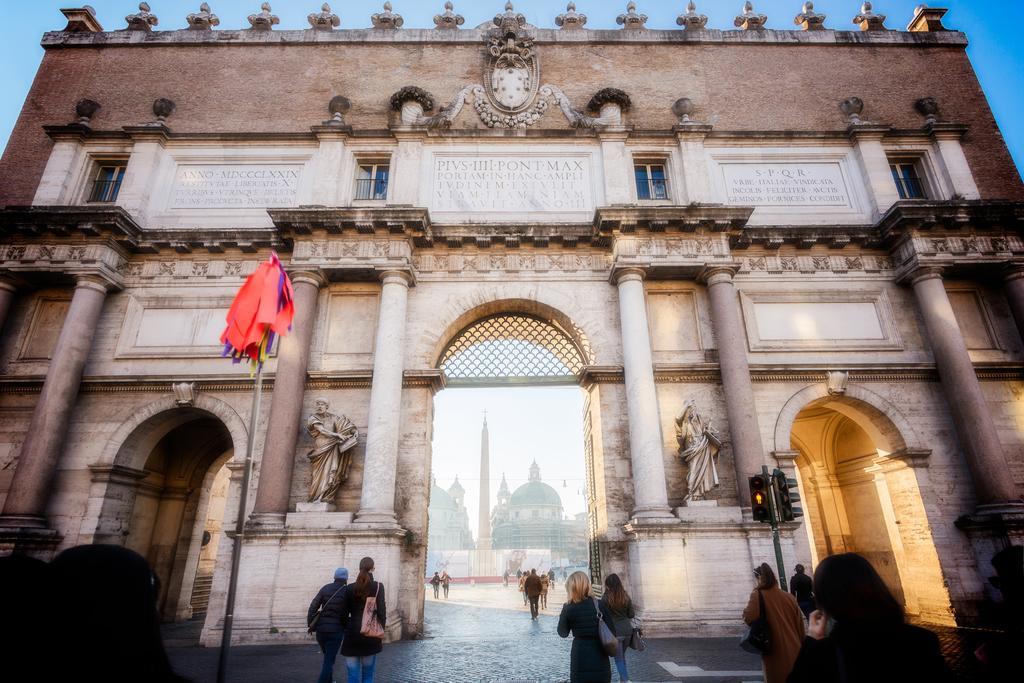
pixel 262 308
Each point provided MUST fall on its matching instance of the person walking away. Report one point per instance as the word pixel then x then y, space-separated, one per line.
pixel 504 579
pixel 859 634
pixel 545 584
pixel 532 587
pixel 785 624
pixel 435 581
pixel 522 588
pixel 587 661
pixel 329 627
pixel 446 581
pixel 802 589
pixel 616 599
pixel 361 651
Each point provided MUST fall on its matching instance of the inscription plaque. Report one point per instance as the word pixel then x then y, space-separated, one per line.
pixel 234 186
pixel 787 184
pixel 511 183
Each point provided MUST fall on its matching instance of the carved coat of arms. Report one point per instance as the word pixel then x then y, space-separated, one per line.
pixel 512 74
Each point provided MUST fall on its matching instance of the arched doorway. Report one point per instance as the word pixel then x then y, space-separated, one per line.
pixel 861 493
pixel 521 344
pixel 164 496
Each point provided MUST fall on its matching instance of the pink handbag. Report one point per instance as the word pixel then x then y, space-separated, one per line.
pixel 371 627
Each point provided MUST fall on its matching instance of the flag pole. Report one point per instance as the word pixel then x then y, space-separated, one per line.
pixel 236 547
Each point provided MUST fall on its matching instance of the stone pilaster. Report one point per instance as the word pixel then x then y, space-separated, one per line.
pixel 731 337
pixel 874 164
pixel 377 505
pixel 37 463
pixel 406 162
pixel 952 161
pixel 278 460
pixel 147 153
pixel 974 424
pixel 66 157
pixel 1014 283
pixel 617 166
pixel 645 439
pixel 332 179
pixel 695 175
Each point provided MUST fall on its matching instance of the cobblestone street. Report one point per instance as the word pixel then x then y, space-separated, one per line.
pixel 485 634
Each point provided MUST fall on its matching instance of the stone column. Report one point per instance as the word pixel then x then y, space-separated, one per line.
pixel 645 441
pixel 377 505
pixel 278 461
pixel 731 337
pixel 971 413
pixel 617 166
pixel 7 292
pixel 694 166
pixel 44 441
pixel 874 165
pixel 951 159
pixel 1014 295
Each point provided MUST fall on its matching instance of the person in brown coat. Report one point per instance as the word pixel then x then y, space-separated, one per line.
pixel 532 587
pixel 785 624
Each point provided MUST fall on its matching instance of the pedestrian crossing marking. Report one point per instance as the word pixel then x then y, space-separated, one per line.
pixel 689 671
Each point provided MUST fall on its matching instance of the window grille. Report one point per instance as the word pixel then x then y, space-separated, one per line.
pixel 512 349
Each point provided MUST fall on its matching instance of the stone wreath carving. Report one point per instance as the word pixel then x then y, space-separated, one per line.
pixel 510 95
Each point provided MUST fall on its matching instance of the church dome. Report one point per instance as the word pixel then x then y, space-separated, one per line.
pixel 535 493
pixel 439 499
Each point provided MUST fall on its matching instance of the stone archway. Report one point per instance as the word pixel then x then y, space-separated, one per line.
pixel 861 468
pixel 154 490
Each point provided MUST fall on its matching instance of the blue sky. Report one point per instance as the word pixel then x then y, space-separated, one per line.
pixel 996 49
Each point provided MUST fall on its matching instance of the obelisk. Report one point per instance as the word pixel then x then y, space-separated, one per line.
pixel 484 535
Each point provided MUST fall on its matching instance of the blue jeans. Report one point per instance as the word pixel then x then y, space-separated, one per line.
pixel 620 660
pixel 329 643
pixel 365 664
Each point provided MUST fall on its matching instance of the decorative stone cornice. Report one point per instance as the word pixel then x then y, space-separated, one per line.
pixel 406 221
pixel 613 220
pixel 951 216
pixel 110 222
pixel 670 256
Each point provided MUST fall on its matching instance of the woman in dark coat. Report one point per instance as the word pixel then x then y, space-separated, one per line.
pixel 588 663
pixel 621 608
pixel 360 651
pixel 858 632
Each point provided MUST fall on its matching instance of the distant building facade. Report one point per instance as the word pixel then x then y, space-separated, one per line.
pixel 449 521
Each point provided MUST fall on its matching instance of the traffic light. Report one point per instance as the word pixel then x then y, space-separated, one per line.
pixel 759 499
pixel 788 495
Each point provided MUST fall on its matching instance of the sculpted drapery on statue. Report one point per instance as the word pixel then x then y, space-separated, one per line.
pixel 334 436
pixel 698 447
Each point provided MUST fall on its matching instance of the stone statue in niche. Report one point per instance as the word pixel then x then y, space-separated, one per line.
pixel 334 437
pixel 698 447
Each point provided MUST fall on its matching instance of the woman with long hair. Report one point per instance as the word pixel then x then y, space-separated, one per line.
pixel 616 599
pixel 361 651
pixel 858 632
pixel 785 624
pixel 587 662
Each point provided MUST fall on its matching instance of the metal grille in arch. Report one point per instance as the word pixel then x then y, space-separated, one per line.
pixel 512 349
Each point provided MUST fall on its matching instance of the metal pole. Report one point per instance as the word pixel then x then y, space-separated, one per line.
pixel 236 548
pixel 773 513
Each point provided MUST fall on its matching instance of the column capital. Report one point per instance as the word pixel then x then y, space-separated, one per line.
pixel 628 274
pixel 397 277
pixel 925 273
pixel 95 282
pixel 867 131
pixel 692 130
pixel 713 275
pixel 309 277
pixel 945 131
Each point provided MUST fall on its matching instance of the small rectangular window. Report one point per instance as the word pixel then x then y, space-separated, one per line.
pixel 106 183
pixel 372 180
pixel 908 182
pixel 651 182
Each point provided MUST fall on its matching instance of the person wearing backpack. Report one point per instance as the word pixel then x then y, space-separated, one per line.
pixel 364 633
pixel 325 619
pixel 785 624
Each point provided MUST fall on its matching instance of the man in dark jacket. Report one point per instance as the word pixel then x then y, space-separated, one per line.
pixel 330 624
pixel 803 590
pixel 533 588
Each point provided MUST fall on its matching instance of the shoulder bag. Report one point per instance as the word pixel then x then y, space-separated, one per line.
pixel 636 638
pixel 320 611
pixel 757 640
pixel 371 627
pixel 609 643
